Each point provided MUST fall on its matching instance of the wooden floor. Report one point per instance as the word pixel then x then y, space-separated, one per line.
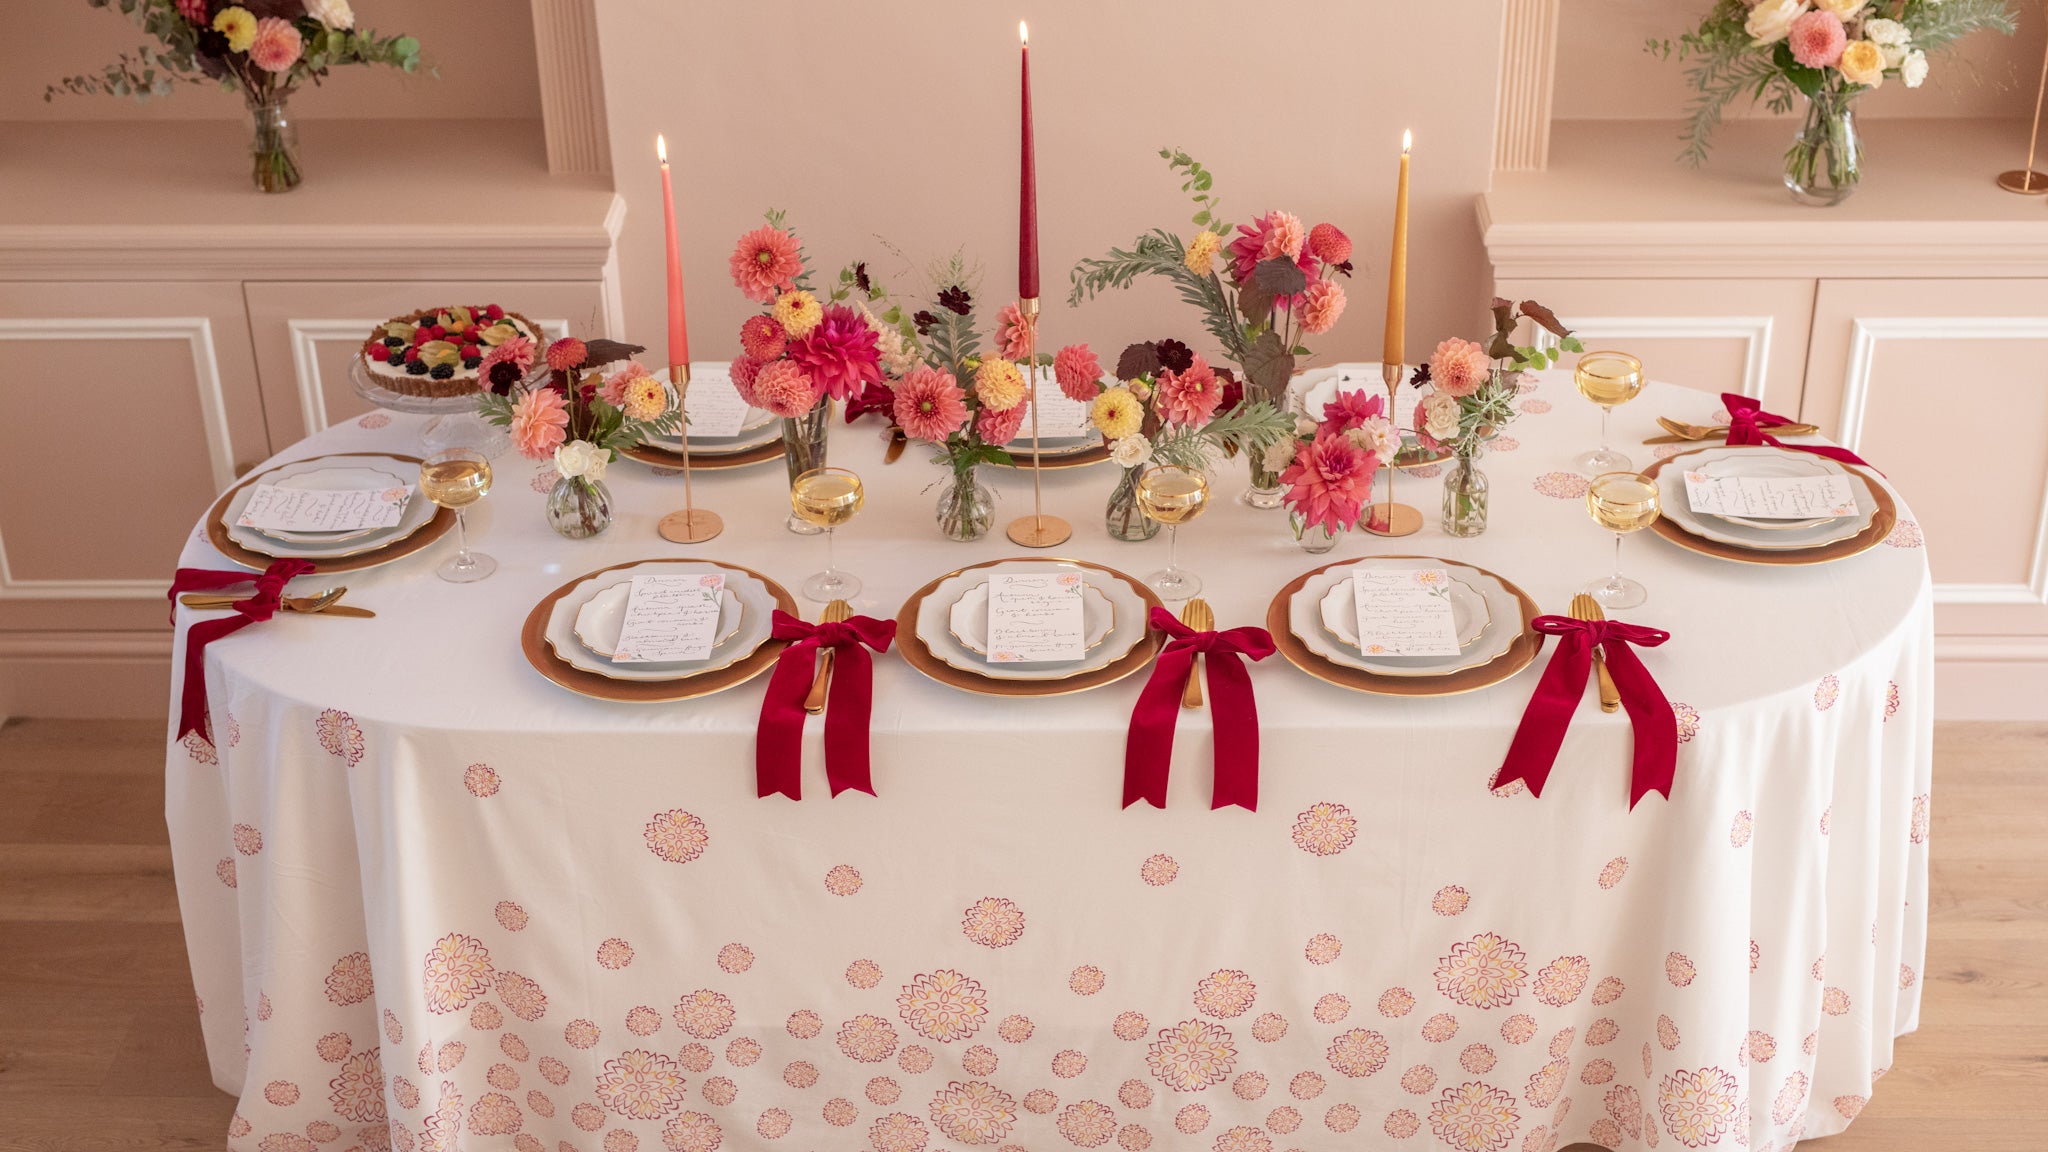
pixel 99 1044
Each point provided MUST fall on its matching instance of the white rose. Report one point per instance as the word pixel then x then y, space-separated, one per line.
pixel 1913 69
pixel 1440 416
pixel 1279 455
pixel 1891 38
pixel 1771 21
pixel 581 458
pixel 1131 451
pixel 332 13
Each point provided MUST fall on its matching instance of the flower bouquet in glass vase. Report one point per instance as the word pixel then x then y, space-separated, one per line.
pixel 265 50
pixel 1469 393
pixel 1259 292
pixel 1326 464
pixel 577 416
pixel 1828 51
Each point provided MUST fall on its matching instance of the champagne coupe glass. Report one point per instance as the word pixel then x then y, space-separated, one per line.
pixel 1607 379
pixel 828 497
pixel 456 478
pixel 1621 502
pixel 1173 495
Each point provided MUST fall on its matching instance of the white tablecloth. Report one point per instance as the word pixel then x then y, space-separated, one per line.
pixel 425 888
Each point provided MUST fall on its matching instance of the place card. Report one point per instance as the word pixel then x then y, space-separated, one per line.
pixel 1060 417
pixel 1360 378
pixel 1035 617
pixel 1771 497
pixel 272 508
pixel 712 404
pixel 1404 611
pixel 670 617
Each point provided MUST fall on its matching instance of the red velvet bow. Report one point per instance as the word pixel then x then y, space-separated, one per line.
pixel 873 397
pixel 778 744
pixel 1148 749
pixel 1745 417
pixel 262 604
pixel 1543 726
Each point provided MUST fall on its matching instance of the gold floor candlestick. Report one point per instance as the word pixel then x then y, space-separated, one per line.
pixel 1036 530
pixel 2026 181
pixel 1391 518
pixel 690 525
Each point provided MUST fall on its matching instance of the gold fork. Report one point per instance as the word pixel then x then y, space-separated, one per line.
pixel 1584 607
pixel 1684 431
pixel 288 603
pixel 1196 614
pixel 836 612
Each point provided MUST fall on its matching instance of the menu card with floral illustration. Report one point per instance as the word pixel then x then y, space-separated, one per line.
pixel 670 617
pixel 272 508
pixel 1404 611
pixel 1060 417
pixel 1035 617
pixel 1770 497
pixel 712 404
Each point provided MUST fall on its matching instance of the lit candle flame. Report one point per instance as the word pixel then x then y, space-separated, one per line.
pixel 1023 33
pixel 661 147
pixel 1407 141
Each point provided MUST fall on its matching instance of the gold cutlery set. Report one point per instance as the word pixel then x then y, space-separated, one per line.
pixel 325 604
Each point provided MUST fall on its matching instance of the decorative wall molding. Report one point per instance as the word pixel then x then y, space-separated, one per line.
pixel 197 332
pixel 1753 331
pixel 614 292
pixel 304 252
pixel 1528 70
pixel 1864 334
pixel 312 387
pixel 571 87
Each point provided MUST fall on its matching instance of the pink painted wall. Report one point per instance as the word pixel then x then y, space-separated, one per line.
pixel 898 121
pixel 483 49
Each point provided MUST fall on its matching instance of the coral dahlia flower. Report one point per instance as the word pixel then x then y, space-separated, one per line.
pixel 1013 332
pixel 1351 409
pixel 762 338
pixel 1319 306
pixel 1328 243
pixel 1458 367
pixel 1188 397
pixel 539 422
pixel 785 389
pixel 930 405
pixel 1079 372
pixel 1330 481
pixel 766 261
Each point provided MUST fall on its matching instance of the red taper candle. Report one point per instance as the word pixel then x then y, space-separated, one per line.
pixel 678 330
pixel 1027 190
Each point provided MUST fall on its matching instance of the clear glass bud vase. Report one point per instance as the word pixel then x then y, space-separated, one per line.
pixel 803 450
pixel 1825 162
pixel 273 145
pixel 1465 497
pixel 1122 516
pixel 967 507
pixel 579 507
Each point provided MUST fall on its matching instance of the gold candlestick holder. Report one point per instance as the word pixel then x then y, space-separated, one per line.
pixel 1392 518
pixel 1036 530
pixel 2026 181
pixel 689 524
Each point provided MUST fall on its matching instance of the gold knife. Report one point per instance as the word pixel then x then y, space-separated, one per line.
pixel 1584 607
pixel 835 612
pixel 897 443
pixel 1195 614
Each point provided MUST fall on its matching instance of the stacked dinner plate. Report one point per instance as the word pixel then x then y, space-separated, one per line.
pixel 948 620
pixel 334 551
pixel 582 627
pixel 1323 616
pixel 1316 387
pixel 1809 541
pixel 759 428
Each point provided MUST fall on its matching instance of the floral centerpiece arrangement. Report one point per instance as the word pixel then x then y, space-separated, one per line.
pixel 1830 52
pixel 1168 406
pixel 264 49
pixel 1327 463
pixel 576 416
pixel 1468 396
pixel 1259 292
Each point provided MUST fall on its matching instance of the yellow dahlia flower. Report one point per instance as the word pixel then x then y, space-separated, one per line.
pixel 1201 256
pixel 998 384
pixel 1117 414
pixel 798 312
pixel 645 398
pixel 238 25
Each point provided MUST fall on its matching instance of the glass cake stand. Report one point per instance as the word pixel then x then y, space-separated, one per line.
pixel 455 422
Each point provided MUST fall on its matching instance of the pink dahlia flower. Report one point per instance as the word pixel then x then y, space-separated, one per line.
pixel 1079 372
pixel 1330 481
pixel 1818 39
pixel 1269 237
pixel 1328 243
pixel 506 364
pixel 1458 367
pixel 1320 306
pixel 785 389
pixel 613 392
pixel 766 261
pixel 277 45
pixel 762 338
pixel 1188 397
pixel 1351 410
pixel 1013 333
pixel 567 354
pixel 195 11
pixel 930 404
pixel 539 423
pixel 841 353
pixel 1000 428
pixel 744 371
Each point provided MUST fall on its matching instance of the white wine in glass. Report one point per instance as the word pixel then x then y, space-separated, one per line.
pixel 1173 496
pixel 828 497
pixel 455 478
pixel 1607 379
pixel 1621 502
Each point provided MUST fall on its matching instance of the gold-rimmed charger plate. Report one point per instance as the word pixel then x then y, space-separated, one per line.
pixel 700 462
pixel 919 656
pixel 436 527
pixel 1881 524
pixel 1518 656
pixel 533 641
pixel 1020 456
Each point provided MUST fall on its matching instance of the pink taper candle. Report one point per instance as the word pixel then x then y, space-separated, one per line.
pixel 678 330
pixel 1027 191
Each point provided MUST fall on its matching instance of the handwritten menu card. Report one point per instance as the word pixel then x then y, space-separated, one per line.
pixel 1059 417
pixel 272 508
pixel 670 617
pixel 1359 378
pixel 712 404
pixel 1404 612
pixel 1771 497
pixel 1035 617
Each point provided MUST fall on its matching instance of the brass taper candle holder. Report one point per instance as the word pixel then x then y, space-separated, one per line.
pixel 689 524
pixel 1036 530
